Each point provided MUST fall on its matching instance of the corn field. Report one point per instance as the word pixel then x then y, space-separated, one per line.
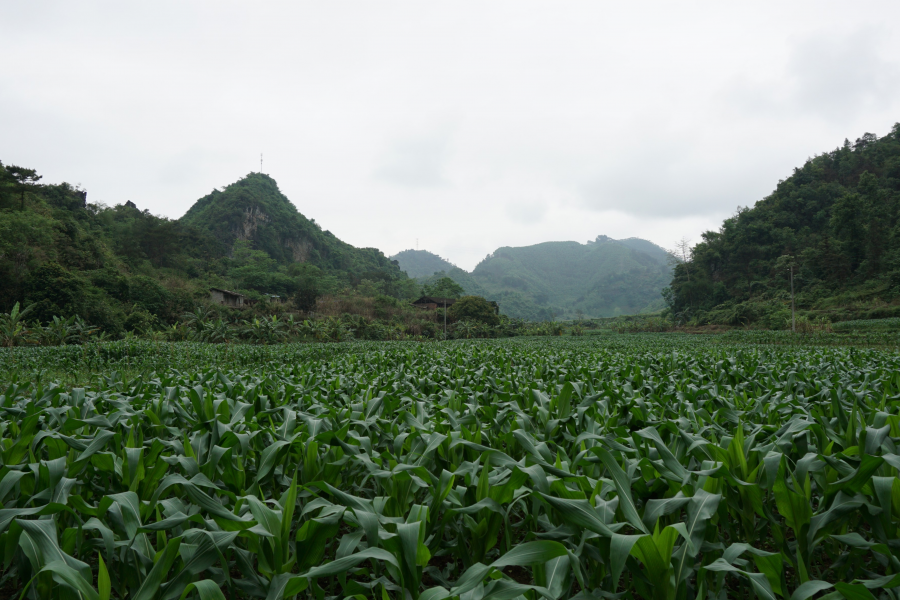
pixel 484 470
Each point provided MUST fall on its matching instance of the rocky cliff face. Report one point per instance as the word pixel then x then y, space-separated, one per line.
pixel 300 249
pixel 251 218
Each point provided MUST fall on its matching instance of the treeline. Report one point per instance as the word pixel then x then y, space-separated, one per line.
pixel 342 319
pixel 834 223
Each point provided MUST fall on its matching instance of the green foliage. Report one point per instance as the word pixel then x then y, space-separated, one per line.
pixel 53 290
pixel 641 324
pixel 443 288
pixel 306 295
pixel 605 277
pixel 16 181
pixel 464 279
pixel 12 326
pixel 26 240
pixel 660 467
pixel 125 270
pixel 141 321
pixel 892 324
pixel 474 308
pixel 254 210
pixel 421 263
pixel 838 216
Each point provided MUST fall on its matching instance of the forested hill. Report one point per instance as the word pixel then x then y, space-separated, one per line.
pixel 123 268
pixel 421 263
pixel 604 277
pixel 254 210
pixel 837 218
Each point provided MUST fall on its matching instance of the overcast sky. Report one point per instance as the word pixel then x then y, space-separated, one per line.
pixel 467 125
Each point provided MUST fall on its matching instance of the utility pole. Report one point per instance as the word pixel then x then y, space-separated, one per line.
pixel 786 260
pixel 445 319
pixel 793 321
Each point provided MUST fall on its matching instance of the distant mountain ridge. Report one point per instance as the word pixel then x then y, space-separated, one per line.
pixel 604 277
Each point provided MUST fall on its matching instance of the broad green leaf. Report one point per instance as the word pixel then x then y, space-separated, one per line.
pixel 623 487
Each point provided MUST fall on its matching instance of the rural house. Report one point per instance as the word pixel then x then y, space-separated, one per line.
pixel 227 298
pixel 433 302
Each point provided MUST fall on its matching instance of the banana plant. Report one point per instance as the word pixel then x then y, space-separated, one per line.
pixel 13 329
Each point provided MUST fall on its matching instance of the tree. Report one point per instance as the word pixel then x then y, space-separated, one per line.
pixel 682 254
pixel 839 214
pixel 18 179
pixel 306 295
pixel 474 308
pixel 877 218
pixel 55 291
pixel 848 227
pixel 26 238
pixel 150 295
pixel 309 283
pixel 443 288
pixel 369 288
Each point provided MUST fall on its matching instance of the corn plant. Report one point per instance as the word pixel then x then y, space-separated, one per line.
pixel 663 467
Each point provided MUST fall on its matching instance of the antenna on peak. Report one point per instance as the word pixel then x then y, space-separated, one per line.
pixel 260 163
pixel 417 244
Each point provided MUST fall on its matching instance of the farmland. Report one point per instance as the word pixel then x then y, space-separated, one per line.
pixel 635 466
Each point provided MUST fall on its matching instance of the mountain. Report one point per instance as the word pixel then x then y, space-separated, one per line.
pixel 421 263
pixel 123 268
pixel 649 248
pixel 837 218
pixel 604 277
pixel 471 286
pixel 254 210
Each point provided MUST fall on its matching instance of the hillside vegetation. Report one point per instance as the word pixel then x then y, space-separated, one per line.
pixel 421 263
pixel 121 268
pixel 602 278
pixel 836 219
pixel 254 209
pixel 469 284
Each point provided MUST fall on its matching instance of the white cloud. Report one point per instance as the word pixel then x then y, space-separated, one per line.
pixel 527 211
pixel 830 76
pixel 417 162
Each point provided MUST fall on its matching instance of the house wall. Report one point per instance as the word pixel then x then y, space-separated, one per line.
pixel 226 299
